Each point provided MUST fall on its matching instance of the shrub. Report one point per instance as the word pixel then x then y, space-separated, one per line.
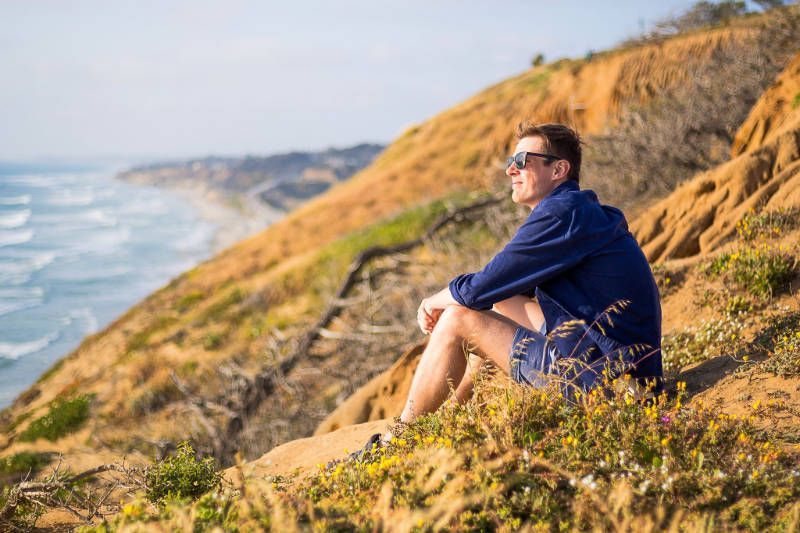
pixel 696 344
pixel 63 417
pixel 181 476
pixel 767 224
pixel 23 462
pixel 189 300
pixel 761 271
pixel 781 341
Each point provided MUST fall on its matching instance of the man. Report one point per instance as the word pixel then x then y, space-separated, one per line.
pixel 595 292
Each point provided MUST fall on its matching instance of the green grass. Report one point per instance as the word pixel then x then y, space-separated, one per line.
pixel 781 344
pixel 181 476
pixel 141 338
pixel 762 271
pixel 188 301
pixel 772 223
pixel 55 367
pixel 796 101
pixel 701 342
pixel 63 417
pixel 23 463
pixel 217 311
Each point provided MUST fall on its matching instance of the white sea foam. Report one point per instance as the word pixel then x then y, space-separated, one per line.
pixel 24 199
pixel 14 219
pixel 31 180
pixel 80 220
pixel 70 197
pixel 18 271
pixel 9 238
pixel 86 315
pixel 21 292
pixel 15 350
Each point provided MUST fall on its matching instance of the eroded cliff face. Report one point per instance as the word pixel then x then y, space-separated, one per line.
pixel 765 172
pixel 174 366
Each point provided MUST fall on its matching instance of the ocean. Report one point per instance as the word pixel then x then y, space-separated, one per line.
pixel 78 248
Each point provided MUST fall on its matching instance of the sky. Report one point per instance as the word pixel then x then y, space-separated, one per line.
pixel 171 79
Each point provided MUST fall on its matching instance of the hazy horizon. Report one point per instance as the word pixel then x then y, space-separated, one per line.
pixel 155 81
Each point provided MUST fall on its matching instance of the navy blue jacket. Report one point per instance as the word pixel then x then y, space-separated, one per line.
pixel 590 277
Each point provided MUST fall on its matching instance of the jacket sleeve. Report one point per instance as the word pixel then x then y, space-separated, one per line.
pixel 543 247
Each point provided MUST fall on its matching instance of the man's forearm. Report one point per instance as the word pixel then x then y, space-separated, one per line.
pixel 440 300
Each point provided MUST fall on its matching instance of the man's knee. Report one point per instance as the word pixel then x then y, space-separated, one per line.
pixel 454 319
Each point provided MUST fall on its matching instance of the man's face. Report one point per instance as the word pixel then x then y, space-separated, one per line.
pixel 538 178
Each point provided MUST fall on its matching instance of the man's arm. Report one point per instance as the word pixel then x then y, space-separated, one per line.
pixel 431 309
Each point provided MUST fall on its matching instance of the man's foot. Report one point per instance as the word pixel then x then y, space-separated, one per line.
pixel 373 444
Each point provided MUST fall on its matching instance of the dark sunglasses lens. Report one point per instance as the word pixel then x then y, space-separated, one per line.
pixel 519 160
pixel 509 160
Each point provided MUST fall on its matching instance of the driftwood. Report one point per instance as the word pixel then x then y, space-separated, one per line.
pixel 45 494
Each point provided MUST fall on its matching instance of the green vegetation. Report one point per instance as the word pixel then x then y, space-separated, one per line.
pixel 700 343
pixel 796 101
pixel 181 476
pixel 63 417
pixel 55 367
pixel 762 271
pixel 781 343
pixel 141 338
pixel 213 340
pixel 217 310
pixel 23 463
pixel 770 223
pixel 189 300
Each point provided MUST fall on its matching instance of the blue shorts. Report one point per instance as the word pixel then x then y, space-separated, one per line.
pixel 533 357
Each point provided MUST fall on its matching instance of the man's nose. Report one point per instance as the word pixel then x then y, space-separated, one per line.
pixel 511 170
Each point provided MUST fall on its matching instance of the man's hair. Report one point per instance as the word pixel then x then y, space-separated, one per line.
pixel 559 140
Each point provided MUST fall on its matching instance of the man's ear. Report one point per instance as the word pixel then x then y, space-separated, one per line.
pixel 562 168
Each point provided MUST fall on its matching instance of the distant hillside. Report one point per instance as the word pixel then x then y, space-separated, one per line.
pixel 282 181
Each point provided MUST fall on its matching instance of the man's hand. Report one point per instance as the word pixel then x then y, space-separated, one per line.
pixel 431 309
pixel 427 316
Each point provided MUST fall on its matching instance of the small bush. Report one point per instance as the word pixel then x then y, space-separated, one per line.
pixel 767 224
pixel 62 418
pixel 23 462
pixel 213 340
pixel 699 343
pixel 188 301
pixel 760 271
pixel 181 476
pixel 781 341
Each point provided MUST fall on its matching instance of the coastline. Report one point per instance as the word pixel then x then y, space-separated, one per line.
pixel 235 216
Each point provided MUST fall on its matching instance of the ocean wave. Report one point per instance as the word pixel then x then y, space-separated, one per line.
pixel 19 271
pixel 24 199
pixel 105 242
pixel 69 197
pixel 80 220
pixel 14 219
pixel 9 238
pixel 15 350
pixel 30 180
pixel 90 324
pixel 21 292
pixel 12 307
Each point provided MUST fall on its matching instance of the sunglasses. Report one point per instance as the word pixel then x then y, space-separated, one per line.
pixel 520 158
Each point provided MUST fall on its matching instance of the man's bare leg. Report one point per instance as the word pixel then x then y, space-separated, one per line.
pixel 520 309
pixel 443 362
